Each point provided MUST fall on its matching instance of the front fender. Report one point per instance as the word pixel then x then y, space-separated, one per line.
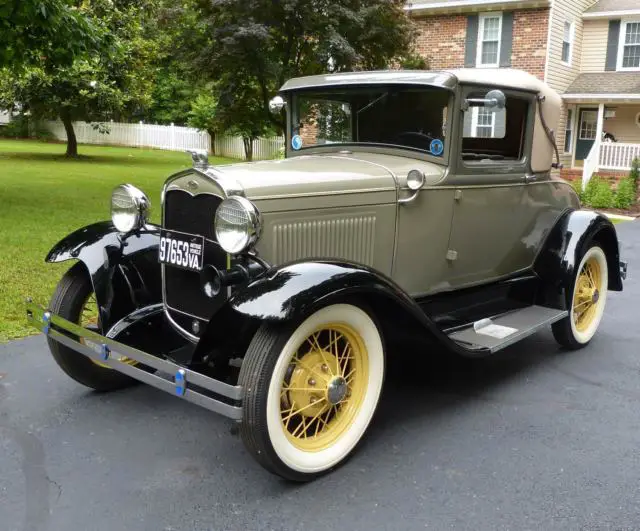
pixel 125 274
pixel 292 292
pixel 561 254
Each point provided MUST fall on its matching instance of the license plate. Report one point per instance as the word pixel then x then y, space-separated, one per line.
pixel 181 250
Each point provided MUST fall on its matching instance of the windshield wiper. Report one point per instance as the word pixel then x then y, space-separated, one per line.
pixel 369 105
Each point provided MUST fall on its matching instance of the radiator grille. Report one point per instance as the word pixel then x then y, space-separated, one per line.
pixel 193 215
pixel 349 238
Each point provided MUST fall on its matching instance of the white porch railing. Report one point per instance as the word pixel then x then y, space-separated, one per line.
pixel 617 155
pixel 590 164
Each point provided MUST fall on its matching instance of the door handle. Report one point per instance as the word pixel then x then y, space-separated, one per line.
pixel 530 178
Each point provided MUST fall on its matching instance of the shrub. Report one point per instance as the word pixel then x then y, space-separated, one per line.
pixel 598 193
pixel 634 174
pixel 18 127
pixel 626 193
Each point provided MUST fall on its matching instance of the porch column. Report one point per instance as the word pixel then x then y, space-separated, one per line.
pixel 599 128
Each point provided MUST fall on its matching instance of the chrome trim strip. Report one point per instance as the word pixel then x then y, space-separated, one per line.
pixel 96 345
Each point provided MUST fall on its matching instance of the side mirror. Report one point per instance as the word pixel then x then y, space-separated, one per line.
pixel 494 100
pixel 276 104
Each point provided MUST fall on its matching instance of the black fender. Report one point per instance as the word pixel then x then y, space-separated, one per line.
pixel 565 245
pixel 289 293
pixel 125 272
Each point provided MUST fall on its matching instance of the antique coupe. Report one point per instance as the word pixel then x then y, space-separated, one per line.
pixel 406 202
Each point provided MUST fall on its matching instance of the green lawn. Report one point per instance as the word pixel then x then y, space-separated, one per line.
pixel 44 196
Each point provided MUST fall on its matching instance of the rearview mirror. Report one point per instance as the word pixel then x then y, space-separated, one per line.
pixel 276 104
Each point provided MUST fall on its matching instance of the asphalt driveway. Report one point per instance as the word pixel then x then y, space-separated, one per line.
pixel 536 438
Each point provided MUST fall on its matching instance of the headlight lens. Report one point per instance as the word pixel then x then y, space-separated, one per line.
pixel 129 208
pixel 237 224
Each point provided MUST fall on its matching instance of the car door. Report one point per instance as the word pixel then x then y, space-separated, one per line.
pixel 491 212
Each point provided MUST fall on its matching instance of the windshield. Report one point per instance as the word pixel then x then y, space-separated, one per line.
pixel 409 117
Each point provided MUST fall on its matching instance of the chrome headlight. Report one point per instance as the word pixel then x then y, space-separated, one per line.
pixel 129 208
pixel 237 224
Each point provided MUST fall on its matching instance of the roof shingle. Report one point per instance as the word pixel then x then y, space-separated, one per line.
pixel 613 5
pixel 606 83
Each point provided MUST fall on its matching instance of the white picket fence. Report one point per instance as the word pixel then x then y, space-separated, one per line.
pixel 263 148
pixel 169 137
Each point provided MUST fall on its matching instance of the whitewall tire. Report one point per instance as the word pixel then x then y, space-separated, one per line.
pixel 311 391
pixel 587 302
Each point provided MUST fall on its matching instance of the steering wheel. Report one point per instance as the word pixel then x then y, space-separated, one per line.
pixel 419 139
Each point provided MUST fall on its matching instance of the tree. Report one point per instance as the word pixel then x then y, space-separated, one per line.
pixel 110 82
pixel 255 45
pixel 32 29
pixel 203 115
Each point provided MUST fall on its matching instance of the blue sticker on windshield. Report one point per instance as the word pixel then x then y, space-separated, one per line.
pixel 437 147
pixel 296 142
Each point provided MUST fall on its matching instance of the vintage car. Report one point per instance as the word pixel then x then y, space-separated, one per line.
pixel 407 202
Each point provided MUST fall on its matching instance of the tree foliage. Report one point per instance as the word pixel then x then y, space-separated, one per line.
pixel 108 83
pixel 31 30
pixel 254 46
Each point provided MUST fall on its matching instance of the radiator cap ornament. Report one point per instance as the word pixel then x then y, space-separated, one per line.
pixel 200 158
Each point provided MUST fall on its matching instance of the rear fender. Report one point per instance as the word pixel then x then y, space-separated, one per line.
pixel 563 249
pixel 125 273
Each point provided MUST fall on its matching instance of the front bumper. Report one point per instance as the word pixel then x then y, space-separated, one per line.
pixel 181 381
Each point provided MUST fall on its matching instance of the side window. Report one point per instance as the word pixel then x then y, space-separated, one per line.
pixel 494 134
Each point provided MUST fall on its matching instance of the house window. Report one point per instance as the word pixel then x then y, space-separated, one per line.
pixel 482 123
pixel 489 32
pixel 568 132
pixel 567 42
pixel 629 47
pixel 588 125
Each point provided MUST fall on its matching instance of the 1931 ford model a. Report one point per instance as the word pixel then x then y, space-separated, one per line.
pixel 406 201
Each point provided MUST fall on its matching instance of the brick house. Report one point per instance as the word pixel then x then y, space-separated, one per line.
pixel 587 50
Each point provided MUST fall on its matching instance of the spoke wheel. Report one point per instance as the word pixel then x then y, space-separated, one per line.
pixel 311 391
pixel 324 386
pixel 587 303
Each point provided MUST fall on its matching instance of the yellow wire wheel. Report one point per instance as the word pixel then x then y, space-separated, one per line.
pixel 311 393
pixel 589 295
pixel 324 386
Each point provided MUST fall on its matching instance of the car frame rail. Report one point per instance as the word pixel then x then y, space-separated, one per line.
pixel 181 381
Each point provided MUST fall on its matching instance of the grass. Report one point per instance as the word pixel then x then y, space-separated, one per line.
pixel 45 196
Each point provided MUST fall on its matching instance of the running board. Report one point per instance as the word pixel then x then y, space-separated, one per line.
pixel 499 332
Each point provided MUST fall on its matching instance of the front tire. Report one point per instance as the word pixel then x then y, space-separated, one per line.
pixel 587 303
pixel 70 301
pixel 311 391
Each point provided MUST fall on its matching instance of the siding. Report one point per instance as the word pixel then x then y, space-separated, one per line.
pixel 623 126
pixel 594 45
pixel 560 75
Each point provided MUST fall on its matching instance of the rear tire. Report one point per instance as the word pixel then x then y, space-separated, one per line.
pixel 68 301
pixel 310 391
pixel 588 297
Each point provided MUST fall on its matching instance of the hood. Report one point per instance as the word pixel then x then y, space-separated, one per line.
pixel 326 174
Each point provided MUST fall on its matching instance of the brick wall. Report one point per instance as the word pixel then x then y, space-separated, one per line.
pixel 441 40
pixel 530 28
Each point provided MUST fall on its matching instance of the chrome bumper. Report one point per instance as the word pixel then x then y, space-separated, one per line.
pixel 184 383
